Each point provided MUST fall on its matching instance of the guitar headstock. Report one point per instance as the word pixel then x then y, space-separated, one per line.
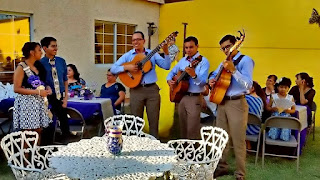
pixel 169 38
pixel 239 41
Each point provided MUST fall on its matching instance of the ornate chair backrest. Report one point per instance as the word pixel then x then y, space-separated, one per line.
pixel 207 150
pixel 20 150
pixel 132 125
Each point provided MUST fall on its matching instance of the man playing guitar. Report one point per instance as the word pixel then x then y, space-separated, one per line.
pixel 190 104
pixel 147 92
pixel 232 113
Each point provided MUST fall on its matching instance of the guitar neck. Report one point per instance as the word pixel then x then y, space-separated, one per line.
pixel 149 56
pixel 182 75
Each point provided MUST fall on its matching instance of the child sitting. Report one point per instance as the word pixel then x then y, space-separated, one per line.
pixel 283 88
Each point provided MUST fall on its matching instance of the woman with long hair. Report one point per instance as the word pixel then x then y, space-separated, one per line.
pixel 256 100
pixel 303 93
pixel 30 111
pixel 75 83
pixel 74 76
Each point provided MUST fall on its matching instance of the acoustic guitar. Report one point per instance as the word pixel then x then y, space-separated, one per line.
pixel 133 79
pixel 223 77
pixel 182 82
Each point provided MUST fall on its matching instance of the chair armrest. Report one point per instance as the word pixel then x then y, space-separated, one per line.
pixel 24 169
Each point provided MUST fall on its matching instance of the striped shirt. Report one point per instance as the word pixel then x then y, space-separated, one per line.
pixel 255 107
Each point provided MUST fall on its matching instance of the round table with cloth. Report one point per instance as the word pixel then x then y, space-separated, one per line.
pixel 141 158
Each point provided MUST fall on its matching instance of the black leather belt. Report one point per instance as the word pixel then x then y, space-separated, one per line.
pixel 147 85
pixel 192 94
pixel 233 97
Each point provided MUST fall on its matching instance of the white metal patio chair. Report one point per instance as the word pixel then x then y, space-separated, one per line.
pixel 282 122
pixel 254 120
pixel 26 159
pixel 198 159
pixel 132 125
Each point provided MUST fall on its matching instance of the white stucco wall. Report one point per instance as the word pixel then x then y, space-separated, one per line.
pixel 71 22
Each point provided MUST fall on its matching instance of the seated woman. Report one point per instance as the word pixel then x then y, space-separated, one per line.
pixel 113 90
pixel 270 87
pixel 303 93
pixel 269 90
pixel 74 80
pixel 257 102
pixel 283 88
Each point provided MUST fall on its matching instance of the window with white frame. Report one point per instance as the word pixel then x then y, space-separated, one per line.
pixel 112 40
pixel 14 32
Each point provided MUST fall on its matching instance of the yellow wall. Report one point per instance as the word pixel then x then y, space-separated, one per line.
pixel 13 35
pixel 279 37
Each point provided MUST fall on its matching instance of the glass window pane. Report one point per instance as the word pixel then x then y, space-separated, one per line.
pixel 121 49
pixel 6 78
pixel 108 28
pixel 108 59
pixel 98 59
pixel 121 29
pixel 108 48
pixel 98 38
pixel 129 47
pixel 108 38
pixel 98 48
pixel 121 39
pixel 130 29
pixel 98 27
pixel 129 39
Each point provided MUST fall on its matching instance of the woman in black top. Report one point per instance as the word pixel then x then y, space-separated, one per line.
pixel 75 83
pixel 30 112
pixel 303 93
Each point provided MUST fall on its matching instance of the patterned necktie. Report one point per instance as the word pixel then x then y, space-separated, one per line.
pixel 55 78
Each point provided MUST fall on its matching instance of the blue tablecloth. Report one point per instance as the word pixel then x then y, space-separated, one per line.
pixel 85 108
pixel 5 104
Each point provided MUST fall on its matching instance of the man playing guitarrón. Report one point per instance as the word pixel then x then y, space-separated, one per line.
pixel 147 92
pixel 190 104
pixel 232 113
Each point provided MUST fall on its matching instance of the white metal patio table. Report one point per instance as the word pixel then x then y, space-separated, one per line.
pixel 141 158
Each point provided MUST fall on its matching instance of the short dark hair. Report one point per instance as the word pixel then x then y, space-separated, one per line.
pixel 284 82
pixel 227 37
pixel 76 74
pixel 27 47
pixel 273 76
pixel 45 42
pixel 139 32
pixel 191 38
pixel 307 78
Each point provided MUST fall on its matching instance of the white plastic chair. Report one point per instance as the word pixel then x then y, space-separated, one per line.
pixel 132 125
pixel 26 159
pixel 199 158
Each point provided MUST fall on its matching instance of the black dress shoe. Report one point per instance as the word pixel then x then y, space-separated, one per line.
pixel 219 173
